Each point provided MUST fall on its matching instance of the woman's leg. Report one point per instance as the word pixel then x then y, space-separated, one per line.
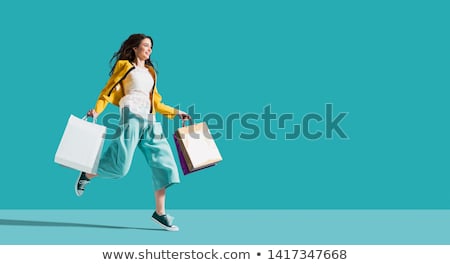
pixel 160 201
pixel 159 156
pixel 90 176
pixel 160 216
pixel 115 162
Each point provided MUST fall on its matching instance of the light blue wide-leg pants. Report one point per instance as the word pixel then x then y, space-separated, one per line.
pixel 136 131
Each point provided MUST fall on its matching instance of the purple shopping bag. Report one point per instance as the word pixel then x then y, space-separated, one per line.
pixel 183 164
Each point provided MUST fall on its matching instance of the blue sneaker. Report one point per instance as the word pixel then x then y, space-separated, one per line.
pixel 165 221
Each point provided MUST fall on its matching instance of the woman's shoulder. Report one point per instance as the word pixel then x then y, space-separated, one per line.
pixel 122 63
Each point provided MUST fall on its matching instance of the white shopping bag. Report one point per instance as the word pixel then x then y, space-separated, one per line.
pixel 81 145
pixel 198 147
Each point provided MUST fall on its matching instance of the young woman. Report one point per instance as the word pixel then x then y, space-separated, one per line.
pixel 131 86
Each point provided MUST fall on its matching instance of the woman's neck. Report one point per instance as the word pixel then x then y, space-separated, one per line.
pixel 139 63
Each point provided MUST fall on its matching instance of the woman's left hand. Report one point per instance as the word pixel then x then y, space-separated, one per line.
pixel 183 115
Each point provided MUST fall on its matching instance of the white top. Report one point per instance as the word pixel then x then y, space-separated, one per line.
pixel 137 88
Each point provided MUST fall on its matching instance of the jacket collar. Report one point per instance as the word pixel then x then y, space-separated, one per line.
pixel 129 65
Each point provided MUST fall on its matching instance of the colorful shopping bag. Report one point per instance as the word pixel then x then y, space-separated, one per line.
pixel 183 163
pixel 196 147
pixel 81 145
pixel 181 158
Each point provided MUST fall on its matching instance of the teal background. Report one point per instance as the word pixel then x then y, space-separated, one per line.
pixel 386 63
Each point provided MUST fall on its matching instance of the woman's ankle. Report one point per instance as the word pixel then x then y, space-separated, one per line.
pixel 90 176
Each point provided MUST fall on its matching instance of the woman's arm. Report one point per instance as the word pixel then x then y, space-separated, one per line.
pixel 166 110
pixel 102 102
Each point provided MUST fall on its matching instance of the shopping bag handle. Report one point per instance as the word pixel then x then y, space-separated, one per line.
pixel 184 120
pixel 85 117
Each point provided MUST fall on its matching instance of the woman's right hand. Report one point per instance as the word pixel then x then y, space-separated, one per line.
pixel 92 113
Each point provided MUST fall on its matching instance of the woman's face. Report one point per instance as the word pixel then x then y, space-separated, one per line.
pixel 144 49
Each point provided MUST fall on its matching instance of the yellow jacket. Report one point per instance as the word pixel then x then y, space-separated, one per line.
pixel 113 91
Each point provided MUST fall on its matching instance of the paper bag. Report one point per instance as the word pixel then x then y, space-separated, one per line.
pixel 196 147
pixel 81 145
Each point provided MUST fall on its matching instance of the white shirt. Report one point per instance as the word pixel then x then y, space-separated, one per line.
pixel 137 88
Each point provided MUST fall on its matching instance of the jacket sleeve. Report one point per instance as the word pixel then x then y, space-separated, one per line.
pixel 102 102
pixel 162 108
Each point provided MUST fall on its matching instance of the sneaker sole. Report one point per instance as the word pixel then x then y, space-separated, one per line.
pixel 172 228
pixel 76 186
pixel 76 190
